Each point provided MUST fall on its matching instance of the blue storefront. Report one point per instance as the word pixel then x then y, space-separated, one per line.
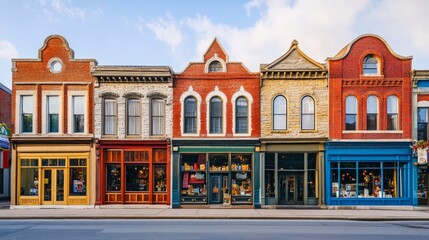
pixel 370 173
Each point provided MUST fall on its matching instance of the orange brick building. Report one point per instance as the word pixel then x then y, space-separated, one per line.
pixel 215 132
pixel 52 114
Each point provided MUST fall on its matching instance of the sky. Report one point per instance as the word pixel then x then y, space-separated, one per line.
pixel 176 32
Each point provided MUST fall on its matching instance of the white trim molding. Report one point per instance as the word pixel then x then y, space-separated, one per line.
pixel 18 109
pixel 190 93
pixel 216 93
pixel 248 96
pixel 423 104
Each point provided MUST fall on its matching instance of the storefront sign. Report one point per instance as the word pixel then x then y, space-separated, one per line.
pixel 4 137
pixel 422 155
pixel 241 176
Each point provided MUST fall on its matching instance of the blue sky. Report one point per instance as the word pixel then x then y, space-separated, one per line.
pixel 174 33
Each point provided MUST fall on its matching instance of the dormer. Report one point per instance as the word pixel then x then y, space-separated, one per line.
pixel 215 58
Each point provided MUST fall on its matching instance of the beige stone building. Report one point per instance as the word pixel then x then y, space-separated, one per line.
pixel 294 129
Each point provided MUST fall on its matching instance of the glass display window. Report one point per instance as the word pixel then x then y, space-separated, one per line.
pixel 194 177
pixel 270 177
pixel 160 178
pixel 241 162
pixel 113 172
pixel 137 177
pixel 218 162
pixel 241 184
pixel 78 178
pixel 29 177
pixel 289 161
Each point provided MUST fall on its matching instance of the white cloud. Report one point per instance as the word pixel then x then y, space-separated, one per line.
pixel 167 30
pixel 252 4
pixel 53 9
pixel 7 50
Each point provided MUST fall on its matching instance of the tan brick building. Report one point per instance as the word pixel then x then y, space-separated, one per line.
pixel 294 129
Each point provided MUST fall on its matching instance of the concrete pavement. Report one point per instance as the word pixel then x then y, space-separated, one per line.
pixel 164 212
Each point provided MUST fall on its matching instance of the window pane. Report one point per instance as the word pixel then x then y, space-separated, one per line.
pixel 160 178
pixel 392 104
pixel 422 115
pixel 350 121
pixel 307 105
pixel 190 115
pixel 53 104
pixel 78 114
pixel 27 113
pixel 311 184
pixel 157 112
pixel 269 161
pixel 215 66
pixel 370 65
pixel 280 105
pixel 215 115
pixel 270 183
pixel 348 183
pixel 137 177
pixel 241 125
pixel 29 182
pixel 291 161
pixel 27 122
pixel 279 122
pixel 79 123
pixel 308 122
pixel 113 173
pixel 190 125
pixel 133 114
pixel 371 123
pixel 53 123
pixel 78 105
pixel 372 104
pixel 109 116
pixel 78 181
pixel 392 121
pixel 311 160
pixel 351 105
pixel 369 181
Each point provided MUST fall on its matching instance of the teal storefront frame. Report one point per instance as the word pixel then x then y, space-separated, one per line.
pixel 360 158
pixel 211 147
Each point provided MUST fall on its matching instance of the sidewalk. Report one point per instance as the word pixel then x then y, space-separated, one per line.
pixel 164 212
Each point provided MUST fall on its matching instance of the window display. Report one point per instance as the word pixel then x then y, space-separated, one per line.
pixel 160 178
pixel 366 179
pixel 137 177
pixel 113 177
pixel 77 177
pixel 194 178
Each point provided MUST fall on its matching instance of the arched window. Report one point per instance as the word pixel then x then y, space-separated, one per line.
pixel 370 65
pixel 241 115
pixel 109 116
pixel 279 113
pixel 307 113
pixel 133 116
pixel 215 115
pixel 215 66
pixel 157 116
pixel 190 115
pixel 371 112
pixel 351 113
pixel 392 113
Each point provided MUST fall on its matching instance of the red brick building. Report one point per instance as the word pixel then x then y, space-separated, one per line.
pixel 52 136
pixel 215 132
pixel 5 118
pixel 368 157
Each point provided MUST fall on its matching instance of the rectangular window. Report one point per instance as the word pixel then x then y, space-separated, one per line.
pixel 133 115
pixel 78 114
pixel 392 121
pixel 157 117
pixel 29 177
pixel 77 177
pixel 160 178
pixel 350 121
pixel 190 115
pixel 109 116
pixel 371 121
pixel 422 122
pixel 307 121
pixel 53 113
pixel 26 114
pixel 241 118
pixel 113 172
pixel 137 177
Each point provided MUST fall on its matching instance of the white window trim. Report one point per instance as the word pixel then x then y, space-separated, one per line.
pixel 215 58
pixel 189 93
pixel 19 94
pixel 45 126
pixel 378 67
pixel 248 96
pixel 423 104
pixel 222 96
pixel 71 94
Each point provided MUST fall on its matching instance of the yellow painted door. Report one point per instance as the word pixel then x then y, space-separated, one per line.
pixel 53 186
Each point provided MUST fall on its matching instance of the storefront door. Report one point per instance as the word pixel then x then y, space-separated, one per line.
pixel 53 186
pixel 291 189
pixel 422 187
pixel 218 183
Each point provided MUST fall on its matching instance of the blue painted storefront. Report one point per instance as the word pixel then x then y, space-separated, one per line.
pixel 355 162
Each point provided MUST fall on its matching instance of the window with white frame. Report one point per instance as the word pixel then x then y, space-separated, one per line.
pixel 307 113
pixel 26 114
pixel 78 114
pixel 392 113
pixel 133 116
pixel 370 65
pixel 190 115
pixel 351 113
pixel 216 117
pixel 157 116
pixel 371 112
pixel 53 113
pixel 109 116
pixel 241 115
pixel 279 113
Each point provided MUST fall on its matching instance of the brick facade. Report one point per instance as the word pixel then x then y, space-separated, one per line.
pixel 233 81
pixel 346 78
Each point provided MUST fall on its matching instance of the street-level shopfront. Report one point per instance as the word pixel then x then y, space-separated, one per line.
pixel 216 172
pixel 53 174
pixel 134 171
pixel 292 172
pixel 370 173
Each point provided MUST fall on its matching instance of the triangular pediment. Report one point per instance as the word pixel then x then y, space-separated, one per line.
pixel 294 59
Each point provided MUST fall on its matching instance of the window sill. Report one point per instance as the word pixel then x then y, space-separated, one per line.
pixel 308 131
pixel 280 131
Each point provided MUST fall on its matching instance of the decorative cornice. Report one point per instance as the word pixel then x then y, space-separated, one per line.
pixel 372 82
pixel 295 75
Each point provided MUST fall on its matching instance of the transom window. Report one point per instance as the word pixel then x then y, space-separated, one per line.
pixel 215 66
pixel 241 115
pixel 370 65
pixel 372 113
pixel 279 113
pixel 351 113
pixel 307 113
pixel 216 115
pixel 392 113
pixel 190 115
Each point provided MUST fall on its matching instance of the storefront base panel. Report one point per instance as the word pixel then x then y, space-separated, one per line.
pixel 371 202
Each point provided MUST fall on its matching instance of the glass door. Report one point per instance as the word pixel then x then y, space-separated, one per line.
pixel 216 189
pixel 53 186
